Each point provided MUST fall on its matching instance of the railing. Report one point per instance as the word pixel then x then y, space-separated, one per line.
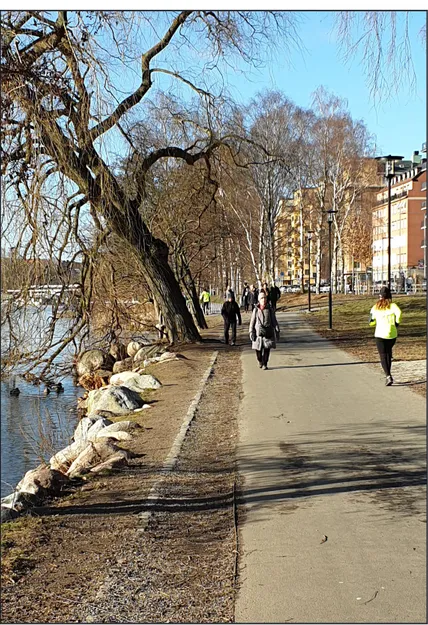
pixel 214 308
pixel 394 197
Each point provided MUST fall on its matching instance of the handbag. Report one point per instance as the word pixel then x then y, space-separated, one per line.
pixel 266 332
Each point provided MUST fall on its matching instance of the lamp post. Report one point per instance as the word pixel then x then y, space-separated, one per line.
pixel 389 173
pixel 309 235
pixel 330 218
pixel 425 245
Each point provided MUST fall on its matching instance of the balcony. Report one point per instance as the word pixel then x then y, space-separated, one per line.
pixel 394 197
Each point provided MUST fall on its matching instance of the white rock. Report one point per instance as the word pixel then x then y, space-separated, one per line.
pixel 123 426
pixel 62 460
pixel 119 436
pixel 118 400
pixel 135 381
pixel 93 454
pixel 119 458
pixel 83 426
pixel 133 348
pixel 99 425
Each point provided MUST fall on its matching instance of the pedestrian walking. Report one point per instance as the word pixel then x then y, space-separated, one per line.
pixel 205 298
pixel 245 296
pixel 264 330
pixel 274 295
pixel 230 313
pixel 386 316
pixel 252 297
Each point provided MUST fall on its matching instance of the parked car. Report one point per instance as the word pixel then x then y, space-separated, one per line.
pixel 295 288
pixel 324 288
pixel 283 289
pixel 424 285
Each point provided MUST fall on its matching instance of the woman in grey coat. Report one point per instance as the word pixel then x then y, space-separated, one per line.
pixel 264 330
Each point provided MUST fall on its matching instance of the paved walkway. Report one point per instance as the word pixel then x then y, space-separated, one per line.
pixel 334 523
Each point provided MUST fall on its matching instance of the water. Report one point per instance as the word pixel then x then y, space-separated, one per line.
pixel 34 426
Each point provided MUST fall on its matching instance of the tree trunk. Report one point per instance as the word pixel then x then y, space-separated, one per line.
pixel 169 297
pixel 189 284
pixel 153 256
pixel 318 263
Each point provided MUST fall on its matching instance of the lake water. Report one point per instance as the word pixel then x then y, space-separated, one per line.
pixel 33 426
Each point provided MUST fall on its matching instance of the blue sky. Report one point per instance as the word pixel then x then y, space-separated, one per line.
pixel 399 122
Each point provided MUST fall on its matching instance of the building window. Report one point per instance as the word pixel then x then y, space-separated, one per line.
pixel 424 205
pixel 423 186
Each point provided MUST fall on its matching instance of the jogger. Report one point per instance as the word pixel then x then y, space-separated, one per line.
pixel 386 316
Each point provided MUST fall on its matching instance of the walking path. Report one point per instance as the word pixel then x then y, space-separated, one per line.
pixel 334 523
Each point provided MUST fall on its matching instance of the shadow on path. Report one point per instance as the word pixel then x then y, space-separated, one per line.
pixel 330 364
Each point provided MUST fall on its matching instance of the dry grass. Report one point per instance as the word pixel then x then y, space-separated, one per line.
pixel 350 326
pixel 18 541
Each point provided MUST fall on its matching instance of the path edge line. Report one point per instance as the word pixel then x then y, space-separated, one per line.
pixel 171 459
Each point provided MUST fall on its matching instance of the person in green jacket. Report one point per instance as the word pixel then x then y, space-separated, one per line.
pixel 386 316
pixel 205 298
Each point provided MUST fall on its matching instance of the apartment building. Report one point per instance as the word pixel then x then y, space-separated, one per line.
pixel 408 226
pixel 293 226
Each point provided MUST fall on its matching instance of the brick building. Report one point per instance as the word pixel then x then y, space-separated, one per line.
pixel 408 210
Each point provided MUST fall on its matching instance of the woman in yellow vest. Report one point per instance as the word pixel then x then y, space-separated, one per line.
pixel 386 316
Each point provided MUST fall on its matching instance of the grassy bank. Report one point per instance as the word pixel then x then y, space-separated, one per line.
pixel 351 331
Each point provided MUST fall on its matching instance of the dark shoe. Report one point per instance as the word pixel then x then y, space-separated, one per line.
pixel 260 365
pixel 389 381
pixel 265 367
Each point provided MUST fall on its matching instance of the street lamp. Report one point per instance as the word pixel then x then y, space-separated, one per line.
pixel 309 235
pixel 330 218
pixel 425 245
pixel 389 174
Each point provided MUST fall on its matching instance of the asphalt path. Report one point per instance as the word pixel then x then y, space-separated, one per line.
pixel 333 507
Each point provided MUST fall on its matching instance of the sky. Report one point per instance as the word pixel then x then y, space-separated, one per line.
pixel 398 122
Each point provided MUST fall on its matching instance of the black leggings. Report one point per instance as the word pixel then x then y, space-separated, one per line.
pixel 232 325
pixel 384 347
pixel 263 355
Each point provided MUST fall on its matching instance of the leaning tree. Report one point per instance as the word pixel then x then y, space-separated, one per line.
pixel 74 82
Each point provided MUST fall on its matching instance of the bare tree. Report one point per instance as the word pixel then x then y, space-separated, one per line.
pixel 62 113
pixel 382 39
pixel 272 126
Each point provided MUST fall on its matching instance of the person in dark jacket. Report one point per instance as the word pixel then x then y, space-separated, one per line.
pixel 245 296
pixel 230 313
pixel 274 295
